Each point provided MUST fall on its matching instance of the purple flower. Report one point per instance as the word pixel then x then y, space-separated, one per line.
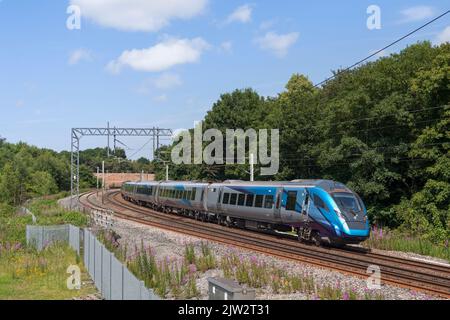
pixel 381 233
pixel 254 260
pixel 17 246
pixel 345 296
pixel 192 269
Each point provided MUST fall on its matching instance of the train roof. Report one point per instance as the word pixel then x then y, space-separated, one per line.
pixel 327 185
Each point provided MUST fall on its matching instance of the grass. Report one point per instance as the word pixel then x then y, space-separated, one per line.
pixel 26 274
pixel 176 278
pixel 31 275
pixel 386 239
pixel 169 278
pixel 258 274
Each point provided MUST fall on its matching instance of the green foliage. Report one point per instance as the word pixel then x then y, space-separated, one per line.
pixel 46 211
pixel 407 241
pixel 27 171
pixel 382 128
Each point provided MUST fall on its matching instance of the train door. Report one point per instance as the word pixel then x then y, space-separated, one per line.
pixel 292 202
pixel 277 206
pixel 213 198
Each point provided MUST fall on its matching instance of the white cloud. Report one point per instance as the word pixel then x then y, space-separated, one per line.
pixel 138 15
pixel 417 13
pixel 167 81
pixel 161 98
pixel 278 44
pixel 79 55
pixel 160 57
pixel 443 36
pixel 242 14
pixel 226 46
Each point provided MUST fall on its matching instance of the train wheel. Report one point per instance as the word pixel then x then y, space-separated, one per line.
pixel 316 239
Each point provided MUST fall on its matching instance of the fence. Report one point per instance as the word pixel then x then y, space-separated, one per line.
pixel 42 236
pixel 110 276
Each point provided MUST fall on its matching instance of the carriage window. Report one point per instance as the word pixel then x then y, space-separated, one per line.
pixel 203 194
pixel 249 201
pixel 226 198
pixel 241 199
pixel 268 204
pixel 259 201
pixel 193 194
pixel 233 199
pixel 291 200
pixel 320 203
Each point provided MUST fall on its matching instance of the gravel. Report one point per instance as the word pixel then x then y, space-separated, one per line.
pixel 170 245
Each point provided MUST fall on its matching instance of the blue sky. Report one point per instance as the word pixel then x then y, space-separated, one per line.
pixel 164 63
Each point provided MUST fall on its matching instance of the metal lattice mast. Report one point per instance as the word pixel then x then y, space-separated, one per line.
pixel 74 167
pixel 78 133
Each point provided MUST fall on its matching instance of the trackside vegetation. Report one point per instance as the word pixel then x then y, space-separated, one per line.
pixel 177 278
pixel 27 274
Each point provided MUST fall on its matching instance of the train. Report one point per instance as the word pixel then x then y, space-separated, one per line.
pixel 321 212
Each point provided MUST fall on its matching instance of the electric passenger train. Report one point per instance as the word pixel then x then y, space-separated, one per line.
pixel 320 211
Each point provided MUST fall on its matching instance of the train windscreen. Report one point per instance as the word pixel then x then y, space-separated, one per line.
pixel 347 202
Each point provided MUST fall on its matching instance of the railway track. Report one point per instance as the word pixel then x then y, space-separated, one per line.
pixel 417 275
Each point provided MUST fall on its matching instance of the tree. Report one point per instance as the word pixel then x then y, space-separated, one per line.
pixel 41 184
pixel 10 185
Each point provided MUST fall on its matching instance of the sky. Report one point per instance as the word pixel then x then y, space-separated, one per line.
pixel 163 63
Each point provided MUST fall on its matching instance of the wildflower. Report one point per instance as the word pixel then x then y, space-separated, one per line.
pixel 192 269
pixel 254 260
pixel 345 296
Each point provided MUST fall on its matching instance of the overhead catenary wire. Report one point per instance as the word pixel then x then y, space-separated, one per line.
pixel 381 50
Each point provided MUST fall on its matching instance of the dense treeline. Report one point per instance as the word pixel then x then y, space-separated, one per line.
pixel 27 171
pixel 383 129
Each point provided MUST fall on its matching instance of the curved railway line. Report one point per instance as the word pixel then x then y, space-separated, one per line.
pixel 407 273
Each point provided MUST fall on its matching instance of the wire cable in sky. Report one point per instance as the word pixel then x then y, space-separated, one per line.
pixel 381 50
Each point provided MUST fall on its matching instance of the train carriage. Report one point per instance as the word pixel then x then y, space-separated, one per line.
pixel 321 211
